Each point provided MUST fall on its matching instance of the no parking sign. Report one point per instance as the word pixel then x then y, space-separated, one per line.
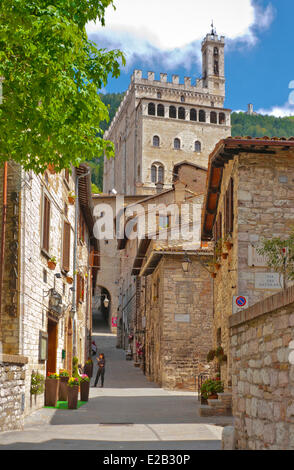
pixel 240 302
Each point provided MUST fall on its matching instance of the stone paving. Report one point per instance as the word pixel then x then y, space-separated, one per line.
pixel 128 413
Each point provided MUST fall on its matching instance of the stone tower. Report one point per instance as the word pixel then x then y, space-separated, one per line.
pixel 161 123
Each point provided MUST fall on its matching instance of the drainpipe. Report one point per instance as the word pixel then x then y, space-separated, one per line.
pixel 74 304
pixel 4 219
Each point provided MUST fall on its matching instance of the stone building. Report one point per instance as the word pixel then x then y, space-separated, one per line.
pixel 161 123
pixel 248 197
pixel 45 310
pixel 171 329
pixel 113 280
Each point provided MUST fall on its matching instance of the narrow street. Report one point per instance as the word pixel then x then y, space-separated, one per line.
pixel 128 413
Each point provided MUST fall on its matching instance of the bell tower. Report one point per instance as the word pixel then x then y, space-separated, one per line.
pixel 213 63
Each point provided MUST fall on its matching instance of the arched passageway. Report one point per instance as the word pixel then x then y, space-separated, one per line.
pixel 101 310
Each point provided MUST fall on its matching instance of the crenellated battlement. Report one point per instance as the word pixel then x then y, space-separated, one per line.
pixel 213 38
pixel 138 78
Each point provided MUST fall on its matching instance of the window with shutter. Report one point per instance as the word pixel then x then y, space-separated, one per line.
pixel 78 290
pixel 46 224
pixel 66 247
pixel 231 206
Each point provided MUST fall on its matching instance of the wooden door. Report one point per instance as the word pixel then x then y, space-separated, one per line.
pixel 52 346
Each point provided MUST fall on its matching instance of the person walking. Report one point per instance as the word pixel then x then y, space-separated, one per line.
pixel 101 369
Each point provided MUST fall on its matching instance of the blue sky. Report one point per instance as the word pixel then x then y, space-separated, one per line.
pixel 163 38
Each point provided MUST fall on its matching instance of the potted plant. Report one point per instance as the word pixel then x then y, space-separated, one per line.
pixel 75 367
pixel 210 355
pixel 71 198
pixel 52 263
pixel 64 376
pixel 73 393
pixel 85 387
pixel 51 389
pixel 211 387
pixel 88 368
pixel 228 242
pixel 69 279
pixel 37 383
pixel 51 169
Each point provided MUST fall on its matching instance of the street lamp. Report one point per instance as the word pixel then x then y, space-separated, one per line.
pixel 186 263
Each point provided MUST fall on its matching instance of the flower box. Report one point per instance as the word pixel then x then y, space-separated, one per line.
pixel 85 389
pixel 63 388
pixel 51 391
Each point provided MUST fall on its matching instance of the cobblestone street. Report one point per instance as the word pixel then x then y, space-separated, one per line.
pixel 128 413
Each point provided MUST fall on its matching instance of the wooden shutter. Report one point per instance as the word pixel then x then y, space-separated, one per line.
pixel 46 224
pixel 66 247
pixel 78 289
pixel 231 206
pixel 66 175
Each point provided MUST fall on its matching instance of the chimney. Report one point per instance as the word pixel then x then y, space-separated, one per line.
pixel 175 79
pixel 151 76
pixel 163 77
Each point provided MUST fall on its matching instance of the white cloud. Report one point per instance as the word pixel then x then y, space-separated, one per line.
pixel 278 111
pixel 159 27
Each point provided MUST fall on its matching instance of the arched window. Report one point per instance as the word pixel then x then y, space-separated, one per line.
pixel 202 117
pixel 182 99
pixel 157 173
pixel 215 51
pixel 156 141
pixel 160 110
pixel 172 112
pixel 177 144
pixel 151 109
pixel 160 174
pixel 193 115
pixel 197 146
pixel 213 117
pixel 181 113
pixel 222 118
pixel 153 173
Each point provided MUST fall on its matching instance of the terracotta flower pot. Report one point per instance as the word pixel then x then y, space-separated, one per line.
pixel 72 397
pixel 69 280
pixel 51 392
pixel 229 245
pixel 85 388
pixel 71 200
pixel 63 388
pixel 213 275
pixel 51 265
pixel 213 397
pixel 88 370
pixel 51 169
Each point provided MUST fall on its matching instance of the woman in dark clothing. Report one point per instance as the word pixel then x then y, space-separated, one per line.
pixel 101 369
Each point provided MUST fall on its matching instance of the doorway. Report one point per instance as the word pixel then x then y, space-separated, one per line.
pixel 52 345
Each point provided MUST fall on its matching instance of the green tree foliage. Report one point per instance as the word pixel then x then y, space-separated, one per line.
pixel 260 126
pixel 279 253
pixel 52 74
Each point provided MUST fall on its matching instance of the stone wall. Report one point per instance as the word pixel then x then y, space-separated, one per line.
pixel 178 322
pixel 263 373
pixel 12 391
pixel 263 208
